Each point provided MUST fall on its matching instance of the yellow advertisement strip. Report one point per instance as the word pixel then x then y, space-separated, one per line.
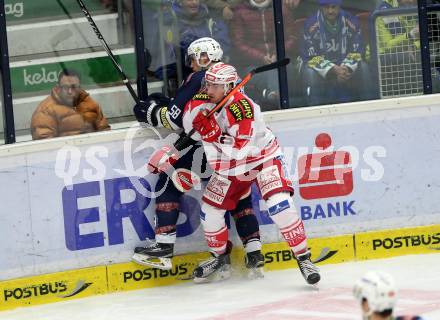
pixel 391 243
pixel 339 249
pixel 131 276
pixel 278 256
pixel 53 287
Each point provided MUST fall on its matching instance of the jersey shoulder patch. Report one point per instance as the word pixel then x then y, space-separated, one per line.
pixel 201 96
pixel 247 107
pixel 241 108
pixel 236 111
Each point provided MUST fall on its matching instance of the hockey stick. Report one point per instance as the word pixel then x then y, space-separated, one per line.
pixel 185 140
pixel 108 50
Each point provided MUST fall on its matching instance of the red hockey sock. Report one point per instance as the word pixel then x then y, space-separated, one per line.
pixel 217 240
pixel 295 236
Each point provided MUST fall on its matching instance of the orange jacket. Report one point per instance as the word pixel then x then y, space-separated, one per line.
pixel 53 119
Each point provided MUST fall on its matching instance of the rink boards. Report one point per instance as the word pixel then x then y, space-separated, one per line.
pixel 98 280
pixel 73 203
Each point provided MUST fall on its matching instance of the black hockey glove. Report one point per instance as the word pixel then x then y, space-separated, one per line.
pixel 146 111
pixel 160 99
pixel 183 143
pixel 140 111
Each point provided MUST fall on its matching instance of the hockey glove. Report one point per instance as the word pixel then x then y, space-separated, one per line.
pixel 163 159
pixel 208 128
pixel 145 112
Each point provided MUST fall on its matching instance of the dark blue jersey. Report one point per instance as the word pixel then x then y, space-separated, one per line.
pixel 171 117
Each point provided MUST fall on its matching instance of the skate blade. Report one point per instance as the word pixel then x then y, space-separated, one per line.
pixel 215 277
pixel 190 277
pixel 159 263
pixel 255 273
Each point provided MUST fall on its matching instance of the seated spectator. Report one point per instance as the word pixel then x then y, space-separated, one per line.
pixel 187 21
pixel 332 68
pixel 223 7
pixel 398 47
pixel 69 110
pixel 195 21
pixel 396 31
pixel 253 39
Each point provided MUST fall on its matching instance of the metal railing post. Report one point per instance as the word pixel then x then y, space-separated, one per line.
pixel 281 53
pixel 424 46
pixel 141 51
pixel 8 112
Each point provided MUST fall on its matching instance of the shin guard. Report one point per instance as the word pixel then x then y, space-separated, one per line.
pixel 167 214
pixel 214 226
pixel 246 224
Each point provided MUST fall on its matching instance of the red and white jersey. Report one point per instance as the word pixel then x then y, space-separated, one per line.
pixel 245 141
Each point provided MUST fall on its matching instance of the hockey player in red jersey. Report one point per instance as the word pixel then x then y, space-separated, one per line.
pixel 241 150
pixel 377 294
pixel 201 54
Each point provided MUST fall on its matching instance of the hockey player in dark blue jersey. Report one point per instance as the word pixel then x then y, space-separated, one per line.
pixel 332 50
pixel 377 294
pixel 160 111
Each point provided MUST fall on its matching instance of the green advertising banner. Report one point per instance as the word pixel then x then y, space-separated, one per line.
pixel 21 10
pixel 38 78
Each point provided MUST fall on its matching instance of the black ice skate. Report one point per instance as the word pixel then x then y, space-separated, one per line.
pixel 254 261
pixel 214 269
pixel 156 255
pixel 309 271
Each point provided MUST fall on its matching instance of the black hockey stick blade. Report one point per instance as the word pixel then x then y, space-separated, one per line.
pixel 273 65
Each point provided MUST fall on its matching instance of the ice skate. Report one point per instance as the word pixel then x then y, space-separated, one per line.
pixel 309 271
pixel 217 268
pixel 254 262
pixel 156 255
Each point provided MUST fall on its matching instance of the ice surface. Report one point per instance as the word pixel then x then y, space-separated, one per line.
pixel 280 295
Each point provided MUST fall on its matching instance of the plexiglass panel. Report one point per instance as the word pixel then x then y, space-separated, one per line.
pixel 48 36
pixel 333 63
pixel 2 116
pixel 244 29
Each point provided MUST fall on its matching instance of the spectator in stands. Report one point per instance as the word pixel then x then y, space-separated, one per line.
pixel 223 7
pixel 187 21
pixel 253 38
pixel 68 110
pixel 398 47
pixel 332 66
pixel 397 31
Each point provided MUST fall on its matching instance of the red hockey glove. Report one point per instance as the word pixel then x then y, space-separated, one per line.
pixel 208 128
pixel 163 159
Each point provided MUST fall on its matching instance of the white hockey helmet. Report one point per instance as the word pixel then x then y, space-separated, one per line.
pixel 204 45
pixel 378 289
pixel 222 73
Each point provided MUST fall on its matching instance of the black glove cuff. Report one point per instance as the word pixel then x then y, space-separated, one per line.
pixel 183 142
pixel 151 113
